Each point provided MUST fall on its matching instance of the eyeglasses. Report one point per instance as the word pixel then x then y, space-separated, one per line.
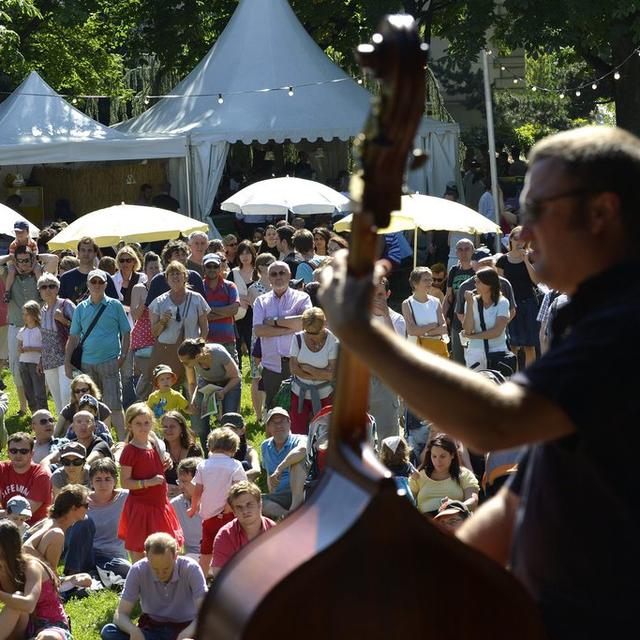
pixel 49 286
pixel 532 209
pixel 83 390
pixel 72 463
pixel 97 282
pixel 121 260
pixel 46 421
pixel 23 261
pixel 278 273
pixel 231 244
pixel 23 452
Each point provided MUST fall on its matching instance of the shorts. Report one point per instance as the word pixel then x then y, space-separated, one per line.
pixel 210 528
pixel 107 376
pixel 59 627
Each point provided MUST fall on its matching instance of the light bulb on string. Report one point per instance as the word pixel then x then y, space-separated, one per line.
pixel 561 95
pixel 578 94
pixel 290 92
pixel 74 101
pixel 534 88
pixel 359 80
pixel 515 81
pixel 503 68
pixel 220 98
pixel 616 75
pixel 146 99
pixel 594 86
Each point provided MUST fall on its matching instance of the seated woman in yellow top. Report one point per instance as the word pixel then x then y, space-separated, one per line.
pixel 441 476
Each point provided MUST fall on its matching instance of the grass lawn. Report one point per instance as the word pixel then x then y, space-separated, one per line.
pixel 88 615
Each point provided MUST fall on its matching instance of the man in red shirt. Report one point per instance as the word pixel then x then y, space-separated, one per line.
pixel 245 500
pixel 22 477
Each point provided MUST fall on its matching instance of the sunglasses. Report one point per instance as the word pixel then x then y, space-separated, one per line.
pixel 438 279
pixel 212 266
pixel 72 463
pixel 48 286
pixel 97 282
pixel 14 451
pixel 46 421
pixel 24 261
pixel 231 244
pixel 83 390
pixel 532 209
pixel 121 260
pixel 277 273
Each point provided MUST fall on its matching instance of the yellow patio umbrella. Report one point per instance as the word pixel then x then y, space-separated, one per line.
pixel 127 222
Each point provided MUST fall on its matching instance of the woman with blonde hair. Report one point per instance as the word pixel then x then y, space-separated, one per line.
pixel 30 357
pixel 313 356
pixel 176 315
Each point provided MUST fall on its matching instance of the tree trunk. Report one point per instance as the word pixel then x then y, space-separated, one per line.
pixel 627 89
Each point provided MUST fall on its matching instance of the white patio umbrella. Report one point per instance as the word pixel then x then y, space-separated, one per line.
pixel 8 217
pixel 431 214
pixel 128 222
pixel 278 196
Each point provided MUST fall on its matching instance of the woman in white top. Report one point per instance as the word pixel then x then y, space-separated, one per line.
pixel 495 309
pixel 30 362
pixel 242 277
pixel 176 315
pixel 423 314
pixel 312 363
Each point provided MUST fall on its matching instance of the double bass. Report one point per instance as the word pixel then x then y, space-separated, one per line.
pixel 357 560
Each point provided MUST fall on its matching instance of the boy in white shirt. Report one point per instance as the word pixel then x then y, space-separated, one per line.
pixel 214 477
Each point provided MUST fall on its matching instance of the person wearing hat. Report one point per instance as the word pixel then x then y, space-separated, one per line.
pixel 19 512
pixel 164 398
pixel 246 454
pixel 451 515
pixel 224 300
pixel 72 469
pixel 284 459
pixel 105 348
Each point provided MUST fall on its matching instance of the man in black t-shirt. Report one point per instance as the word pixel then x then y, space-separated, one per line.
pixel 567 528
pixel 457 275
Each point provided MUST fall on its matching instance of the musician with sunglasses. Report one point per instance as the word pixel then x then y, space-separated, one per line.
pixel 581 209
pixel 20 476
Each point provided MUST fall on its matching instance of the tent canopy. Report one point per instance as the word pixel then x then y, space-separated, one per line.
pixel 38 126
pixel 264 46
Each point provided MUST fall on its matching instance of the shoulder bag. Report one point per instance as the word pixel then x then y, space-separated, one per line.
pixel 435 344
pixel 503 361
pixel 76 356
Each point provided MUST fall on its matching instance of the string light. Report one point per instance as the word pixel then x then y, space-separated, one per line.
pixel 220 98
pixel 561 95
pixel 534 88
pixel 578 93
pixel 594 86
pixel 359 80
pixel 290 92
pixel 146 100
pixel 616 75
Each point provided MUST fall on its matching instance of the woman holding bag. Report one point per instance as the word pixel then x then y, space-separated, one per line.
pixel 423 315
pixel 176 315
pixel 486 315
pixel 56 320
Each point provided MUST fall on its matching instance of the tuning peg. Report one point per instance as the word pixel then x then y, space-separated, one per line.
pixel 418 159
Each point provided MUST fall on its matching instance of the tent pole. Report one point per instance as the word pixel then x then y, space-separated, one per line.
pixel 415 246
pixel 493 165
pixel 187 168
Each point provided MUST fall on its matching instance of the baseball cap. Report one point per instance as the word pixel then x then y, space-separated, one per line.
pixel 90 400
pixel 21 225
pixel 481 253
pixel 454 508
pixel 97 273
pixel 73 449
pixel 19 506
pixel 212 258
pixel 274 412
pixel 233 418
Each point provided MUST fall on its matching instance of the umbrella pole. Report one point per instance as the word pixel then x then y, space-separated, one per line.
pixel 415 246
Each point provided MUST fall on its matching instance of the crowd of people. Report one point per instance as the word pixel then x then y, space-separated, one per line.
pixel 144 479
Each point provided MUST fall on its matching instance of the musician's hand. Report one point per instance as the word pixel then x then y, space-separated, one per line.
pixel 345 299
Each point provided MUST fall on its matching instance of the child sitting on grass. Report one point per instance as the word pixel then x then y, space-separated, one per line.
pixel 214 477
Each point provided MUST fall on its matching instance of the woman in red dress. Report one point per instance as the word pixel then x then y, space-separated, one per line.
pixel 147 509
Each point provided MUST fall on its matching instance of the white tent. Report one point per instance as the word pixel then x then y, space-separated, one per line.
pixel 262 52
pixel 38 126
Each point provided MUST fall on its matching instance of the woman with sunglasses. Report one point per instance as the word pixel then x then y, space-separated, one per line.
pixel 72 468
pixel 55 322
pixel 81 385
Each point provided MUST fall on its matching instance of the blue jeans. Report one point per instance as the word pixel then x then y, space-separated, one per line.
pixel 230 403
pixel 111 632
pixel 81 557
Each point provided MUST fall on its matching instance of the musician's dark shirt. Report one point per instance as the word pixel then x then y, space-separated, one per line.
pixel 575 542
